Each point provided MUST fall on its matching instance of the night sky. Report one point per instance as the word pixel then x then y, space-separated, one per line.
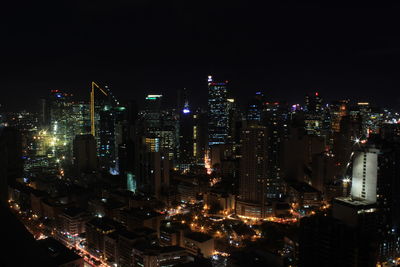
pixel 139 47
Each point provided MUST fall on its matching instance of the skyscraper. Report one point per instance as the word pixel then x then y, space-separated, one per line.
pixel 60 111
pixel 217 112
pixel 85 157
pixel 254 107
pixel 365 171
pixel 253 172
pixel 313 114
pixel 187 144
pixel 275 118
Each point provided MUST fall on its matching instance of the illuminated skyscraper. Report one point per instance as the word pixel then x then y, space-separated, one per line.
pixel 313 114
pixel 106 110
pixel 217 112
pixel 60 122
pixel 365 172
pixel 338 110
pixel 254 108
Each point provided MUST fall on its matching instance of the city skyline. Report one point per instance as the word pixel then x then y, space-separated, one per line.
pixel 138 134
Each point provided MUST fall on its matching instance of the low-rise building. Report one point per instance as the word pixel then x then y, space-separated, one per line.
pixel 304 194
pixel 60 255
pixel 142 217
pixel 157 256
pixel 197 243
pixel 71 223
pixel 96 231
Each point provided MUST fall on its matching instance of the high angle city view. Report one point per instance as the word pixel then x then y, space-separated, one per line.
pixel 238 134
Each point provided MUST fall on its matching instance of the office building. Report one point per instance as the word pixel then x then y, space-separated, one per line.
pixel 365 172
pixel 276 119
pixel 313 114
pixel 253 172
pixel 217 112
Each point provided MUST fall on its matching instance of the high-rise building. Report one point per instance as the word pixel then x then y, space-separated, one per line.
pixel 313 114
pixel 187 135
pixel 10 159
pixel 253 172
pixel 338 110
pixel 255 107
pixel 85 157
pixel 385 172
pixel 44 112
pixel 345 238
pixel 371 118
pixel 299 150
pixel 156 122
pixel 217 112
pixel 200 127
pixel 350 235
pixel 365 171
pixel 152 110
pixel 275 117
pixel 60 122
pixel 152 167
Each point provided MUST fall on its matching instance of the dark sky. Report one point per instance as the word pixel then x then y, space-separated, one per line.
pixel 142 46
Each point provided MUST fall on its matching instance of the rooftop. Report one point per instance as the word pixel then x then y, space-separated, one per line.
pixel 104 224
pixel 142 213
pixel 57 251
pixel 303 187
pixel 73 211
pixel 351 202
pixel 197 236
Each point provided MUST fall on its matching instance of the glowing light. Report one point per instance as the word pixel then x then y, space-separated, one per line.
pixel 186 111
pixel 207 164
pixel 346 180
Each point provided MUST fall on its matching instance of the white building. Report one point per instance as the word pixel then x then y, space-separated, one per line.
pixel 365 172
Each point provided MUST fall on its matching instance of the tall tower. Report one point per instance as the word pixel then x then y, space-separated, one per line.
pixel 217 112
pixel 106 107
pixel 253 172
pixel 313 114
pixel 365 172
pixel 275 118
pixel 60 123
pixel 187 144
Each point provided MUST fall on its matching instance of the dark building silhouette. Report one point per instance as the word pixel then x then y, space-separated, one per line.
pixel 10 159
pixel 253 172
pixel 345 238
pixel 85 157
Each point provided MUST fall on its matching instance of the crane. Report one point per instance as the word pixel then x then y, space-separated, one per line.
pixel 92 121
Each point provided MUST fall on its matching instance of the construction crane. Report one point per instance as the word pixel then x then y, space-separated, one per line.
pixel 92 111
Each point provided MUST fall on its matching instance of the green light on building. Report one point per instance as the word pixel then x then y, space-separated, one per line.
pixel 131 182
